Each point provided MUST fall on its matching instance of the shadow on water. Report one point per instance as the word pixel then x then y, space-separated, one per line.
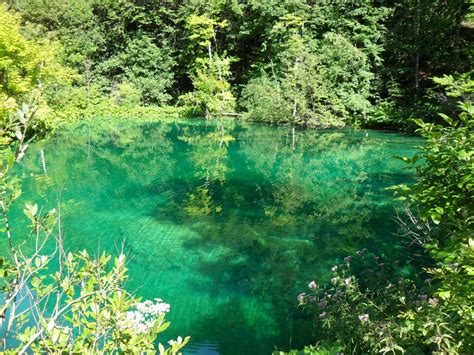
pixel 228 223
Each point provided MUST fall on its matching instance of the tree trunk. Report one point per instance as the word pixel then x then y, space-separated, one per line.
pixel 293 141
pixel 43 161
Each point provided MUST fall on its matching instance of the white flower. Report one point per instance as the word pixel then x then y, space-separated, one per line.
pixel 144 317
pixel 121 258
pixel 178 341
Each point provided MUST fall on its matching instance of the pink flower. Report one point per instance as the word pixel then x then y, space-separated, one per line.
pixel 301 297
pixel 313 285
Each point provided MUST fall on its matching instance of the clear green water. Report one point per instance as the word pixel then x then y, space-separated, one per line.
pixel 228 227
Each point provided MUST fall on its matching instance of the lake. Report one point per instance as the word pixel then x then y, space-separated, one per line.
pixel 226 222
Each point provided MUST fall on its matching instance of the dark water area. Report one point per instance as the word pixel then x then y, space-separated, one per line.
pixel 228 223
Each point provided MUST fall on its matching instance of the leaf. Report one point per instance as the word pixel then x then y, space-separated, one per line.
pixel 55 335
pixel 19 135
pixel 24 107
pixel 34 209
pixel 462 154
pixel 163 327
pixel 444 294
pixel 419 122
pixel 471 243
pixel 446 118
pixel 435 217
pixel 21 117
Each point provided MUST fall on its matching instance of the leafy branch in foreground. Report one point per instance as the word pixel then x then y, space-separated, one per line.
pixel 58 301
pixel 367 311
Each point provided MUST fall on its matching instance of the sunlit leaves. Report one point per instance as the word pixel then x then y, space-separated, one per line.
pixel 24 63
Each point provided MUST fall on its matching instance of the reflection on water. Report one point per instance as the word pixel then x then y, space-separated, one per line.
pixel 228 222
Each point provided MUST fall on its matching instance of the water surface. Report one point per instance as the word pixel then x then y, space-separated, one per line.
pixel 227 224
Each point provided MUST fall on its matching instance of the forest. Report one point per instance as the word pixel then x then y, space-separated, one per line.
pixel 290 176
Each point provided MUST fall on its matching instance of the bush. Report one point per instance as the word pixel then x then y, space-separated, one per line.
pixel 322 82
pixel 79 305
pixel 380 310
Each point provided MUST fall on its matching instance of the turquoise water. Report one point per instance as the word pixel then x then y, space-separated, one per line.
pixel 227 224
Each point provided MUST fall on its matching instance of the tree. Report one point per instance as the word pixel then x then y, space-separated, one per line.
pixel 78 305
pixel 24 64
pixel 315 82
pixel 211 93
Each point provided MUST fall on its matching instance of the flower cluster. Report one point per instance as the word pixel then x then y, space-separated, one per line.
pixel 144 317
pixel 326 301
pixel 178 341
pixel 148 307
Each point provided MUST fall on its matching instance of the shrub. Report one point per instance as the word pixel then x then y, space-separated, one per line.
pixel 80 304
pixel 368 311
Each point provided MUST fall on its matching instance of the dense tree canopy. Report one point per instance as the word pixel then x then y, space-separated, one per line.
pixel 295 61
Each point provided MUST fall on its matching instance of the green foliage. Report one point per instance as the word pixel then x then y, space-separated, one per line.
pixel 385 311
pixel 149 68
pixel 211 95
pixel 65 302
pixel 75 104
pixel 93 313
pixel 444 193
pixel 459 86
pixel 316 64
pixel 24 64
pixel 325 83
pixel 437 44
pixel 445 185
pixel 110 42
pixel 319 349
pixel 203 29
pixel 318 78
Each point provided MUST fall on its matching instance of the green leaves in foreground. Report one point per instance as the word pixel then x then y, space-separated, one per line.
pixel 53 301
pixel 367 308
pixel 81 307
